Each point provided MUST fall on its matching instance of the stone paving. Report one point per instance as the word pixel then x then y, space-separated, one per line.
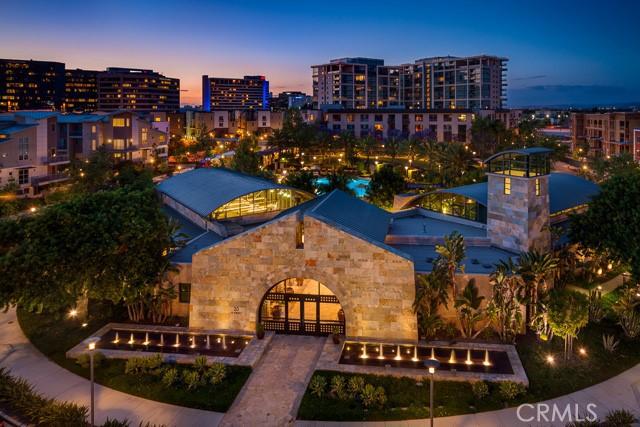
pixel 272 394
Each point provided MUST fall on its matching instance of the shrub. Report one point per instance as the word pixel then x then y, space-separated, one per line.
pixel 84 359
pixel 509 390
pixel 339 387
pixel 143 365
pixel 619 418
pixel 216 373
pixel 629 321
pixel 480 389
pixel 115 423
pixel 200 364
pixel 318 385
pixel 61 414
pixel 191 379
pixel 355 386
pixel 610 343
pixel 369 397
pixel 381 396
pixel 170 377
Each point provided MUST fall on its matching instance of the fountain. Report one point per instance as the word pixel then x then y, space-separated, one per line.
pixel 468 361
pixel 398 355
pixel 208 346
pixel 146 339
pixel 193 342
pixel 161 340
pixel 177 344
pixel 452 358
pixel 117 340
pixel 486 361
pixel 433 353
pixel 131 340
pixel 415 354
pixel 364 354
pixel 224 342
pixel 380 355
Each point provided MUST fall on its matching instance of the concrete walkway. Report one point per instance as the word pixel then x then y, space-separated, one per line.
pixel 606 287
pixel 272 394
pixel 620 392
pixel 49 379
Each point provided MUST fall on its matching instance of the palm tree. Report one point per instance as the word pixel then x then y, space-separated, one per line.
pixel 431 292
pixel 504 307
pixel 450 255
pixel 535 268
pixel 468 306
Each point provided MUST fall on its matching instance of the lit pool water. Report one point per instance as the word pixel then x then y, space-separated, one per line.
pixel 358 185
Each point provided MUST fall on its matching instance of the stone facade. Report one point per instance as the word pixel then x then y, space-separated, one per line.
pixel 518 221
pixel 375 285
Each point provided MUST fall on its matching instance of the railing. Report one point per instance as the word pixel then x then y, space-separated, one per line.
pixel 56 158
pixel 47 179
pixel 302 327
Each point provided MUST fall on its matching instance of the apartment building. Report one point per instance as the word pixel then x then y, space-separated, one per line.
pixel 37 147
pixel 221 93
pixel 605 134
pixel 226 123
pixel 475 82
pixel 28 84
pixel 636 145
pixel 80 90
pixel 137 90
pixel 444 125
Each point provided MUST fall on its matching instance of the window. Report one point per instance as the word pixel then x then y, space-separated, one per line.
pixel 118 122
pixel 507 186
pixel 300 235
pixel 23 148
pixel 184 292
pixel 93 129
pixel 94 145
pixel 119 144
pixel 23 176
pixel 144 135
pixel 537 187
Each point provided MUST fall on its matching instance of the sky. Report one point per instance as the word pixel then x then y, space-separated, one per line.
pixel 560 52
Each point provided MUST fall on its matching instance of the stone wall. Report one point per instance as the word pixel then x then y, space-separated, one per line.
pixel 375 286
pixel 518 221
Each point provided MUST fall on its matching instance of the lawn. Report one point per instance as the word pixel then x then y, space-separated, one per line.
pixel 54 336
pixel 408 400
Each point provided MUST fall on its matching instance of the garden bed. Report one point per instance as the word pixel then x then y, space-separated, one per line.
pixel 54 336
pixel 407 398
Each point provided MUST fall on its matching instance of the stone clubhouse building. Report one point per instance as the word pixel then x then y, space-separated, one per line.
pixel 256 251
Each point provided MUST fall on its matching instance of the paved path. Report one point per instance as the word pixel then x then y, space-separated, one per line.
pixel 620 392
pixel 606 287
pixel 272 394
pixel 24 360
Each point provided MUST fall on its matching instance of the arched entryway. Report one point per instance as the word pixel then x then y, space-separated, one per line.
pixel 301 306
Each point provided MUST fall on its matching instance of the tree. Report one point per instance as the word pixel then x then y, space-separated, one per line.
pixel 246 160
pixel 487 135
pixel 431 293
pixel 337 181
pixel 568 313
pixel 536 268
pixel 107 245
pixel 612 221
pixel 450 256
pixel 504 307
pixel 302 180
pixel 384 185
pixel 391 147
pixel 468 305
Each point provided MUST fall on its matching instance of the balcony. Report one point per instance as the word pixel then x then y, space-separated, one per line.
pixel 38 181
pixel 55 159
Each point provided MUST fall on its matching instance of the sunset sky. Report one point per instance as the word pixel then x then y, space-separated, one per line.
pixel 560 52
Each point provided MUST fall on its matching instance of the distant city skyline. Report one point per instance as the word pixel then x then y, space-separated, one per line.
pixel 560 53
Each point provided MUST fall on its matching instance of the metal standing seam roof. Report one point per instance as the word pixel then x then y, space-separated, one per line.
pixel 523 151
pixel 14 128
pixel 206 189
pixel 565 191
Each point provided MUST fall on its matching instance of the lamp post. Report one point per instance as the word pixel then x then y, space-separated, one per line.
pixel 91 345
pixel 431 365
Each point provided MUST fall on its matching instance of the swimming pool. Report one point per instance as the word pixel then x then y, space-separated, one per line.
pixel 358 185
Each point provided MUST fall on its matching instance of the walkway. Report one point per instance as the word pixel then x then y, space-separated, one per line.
pixel 25 361
pixel 272 394
pixel 606 287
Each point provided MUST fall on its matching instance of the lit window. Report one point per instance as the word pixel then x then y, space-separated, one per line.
pixel 537 187
pixel 507 186
pixel 118 122
pixel 23 148
pixel 300 235
pixel 23 176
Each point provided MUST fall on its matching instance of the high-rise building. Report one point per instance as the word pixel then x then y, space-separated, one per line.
pixel 81 90
pixel 137 90
pixel 290 99
pixel 247 93
pixel 476 82
pixel 27 84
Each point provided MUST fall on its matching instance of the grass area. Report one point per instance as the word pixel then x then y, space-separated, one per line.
pixel 53 336
pixel 408 400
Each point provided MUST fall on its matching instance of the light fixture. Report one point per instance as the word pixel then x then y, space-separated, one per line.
pixel 550 359
pixel 582 351
pixel 73 313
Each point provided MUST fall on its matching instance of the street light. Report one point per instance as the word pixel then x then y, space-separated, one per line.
pixel 91 345
pixel 432 365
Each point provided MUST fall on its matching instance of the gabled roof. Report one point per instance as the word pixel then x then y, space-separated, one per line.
pixel 353 215
pixel 206 189
pixel 14 128
pixel 477 192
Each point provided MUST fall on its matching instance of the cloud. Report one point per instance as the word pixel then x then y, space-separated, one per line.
pixel 536 77
pixel 578 95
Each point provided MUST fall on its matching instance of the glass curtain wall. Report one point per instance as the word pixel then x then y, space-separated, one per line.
pixel 259 202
